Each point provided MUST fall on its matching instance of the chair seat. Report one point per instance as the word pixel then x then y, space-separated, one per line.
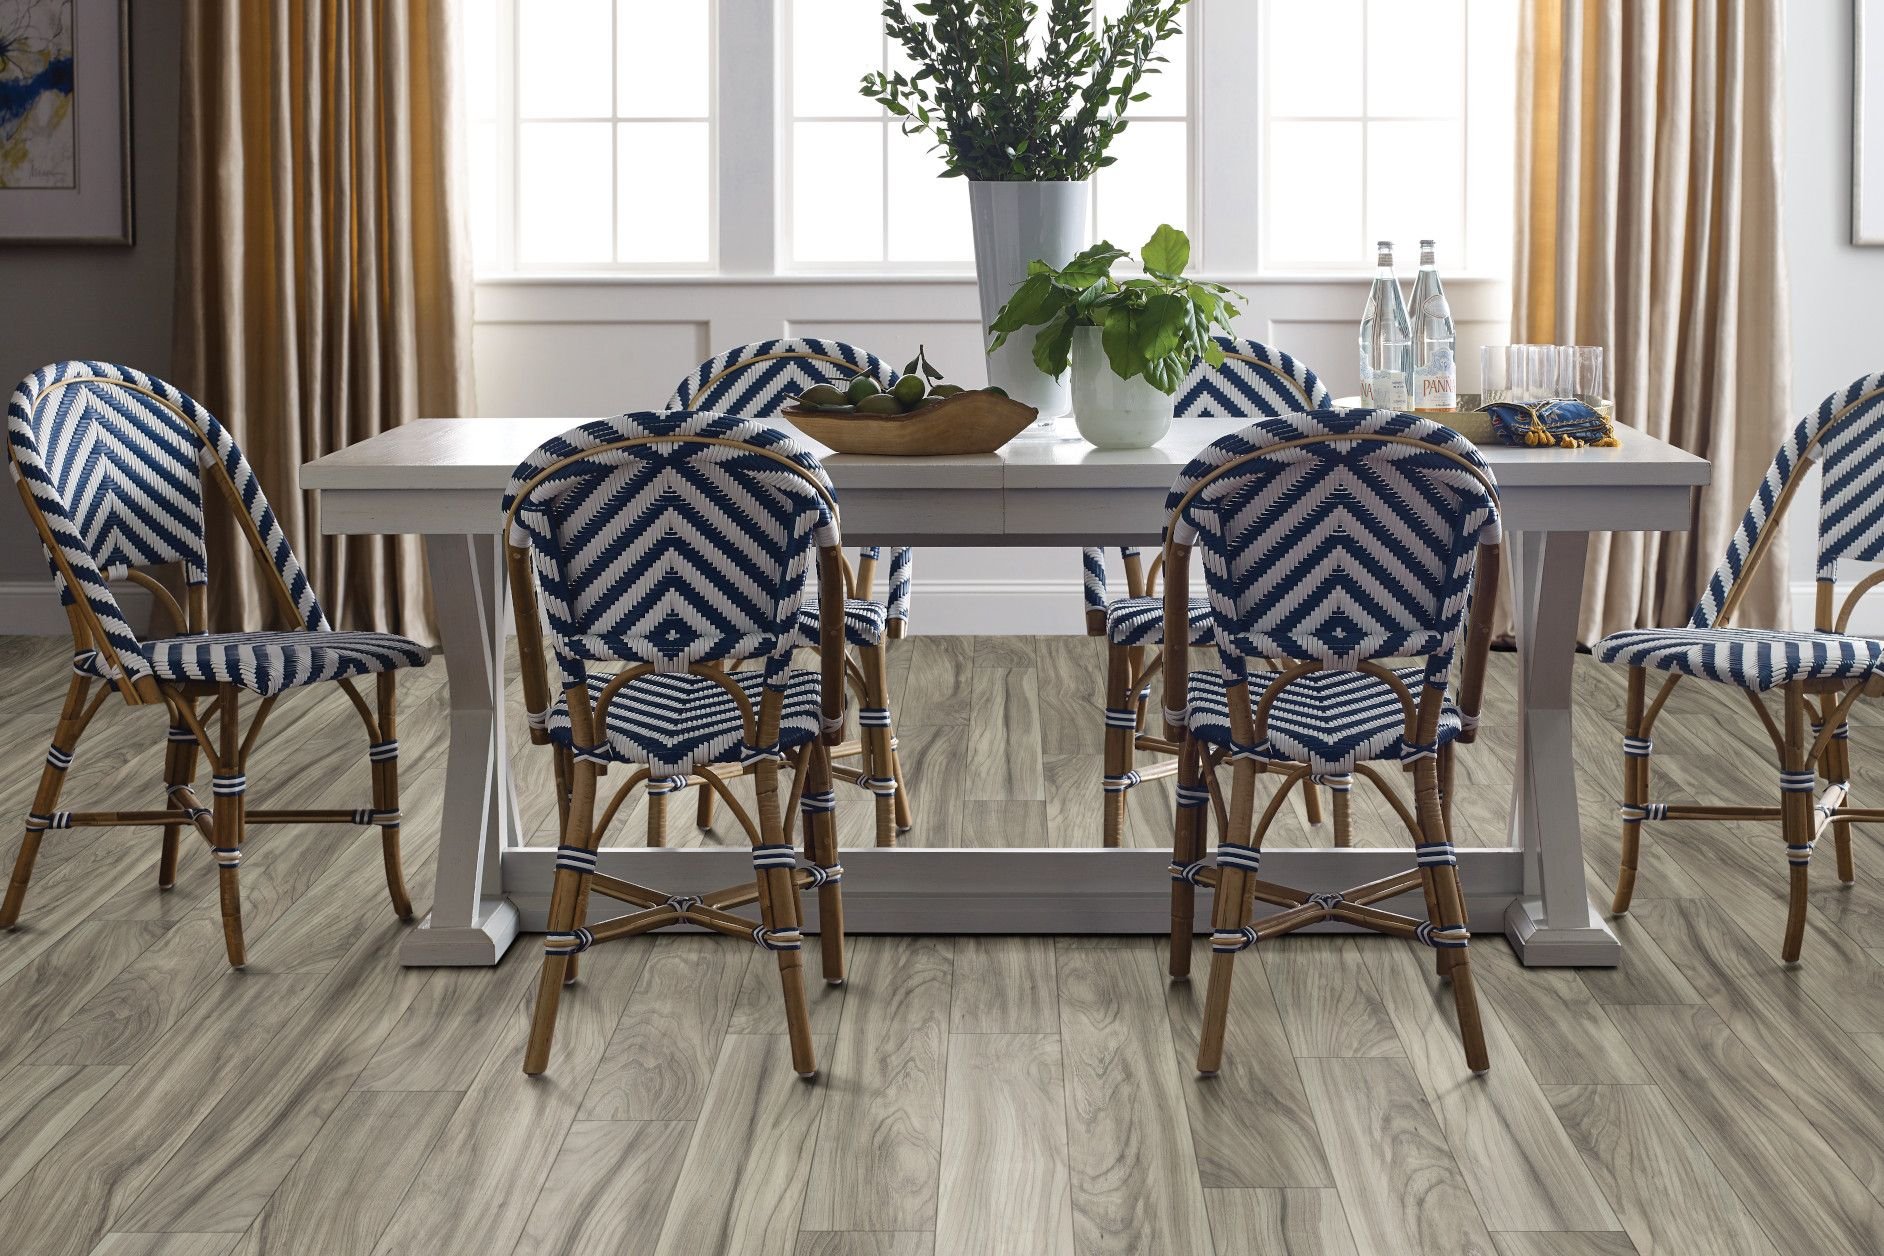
pixel 268 663
pixel 674 720
pixel 1140 621
pixel 1752 658
pixel 1330 720
pixel 863 622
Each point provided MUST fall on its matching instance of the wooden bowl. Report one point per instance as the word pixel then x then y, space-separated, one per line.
pixel 975 422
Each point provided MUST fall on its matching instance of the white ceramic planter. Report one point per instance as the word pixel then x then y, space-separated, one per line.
pixel 1015 223
pixel 1114 413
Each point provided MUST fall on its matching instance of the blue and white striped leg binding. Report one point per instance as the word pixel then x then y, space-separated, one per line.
pixel 383 755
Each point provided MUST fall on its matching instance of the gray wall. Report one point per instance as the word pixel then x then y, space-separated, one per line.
pixel 96 301
pixel 1836 332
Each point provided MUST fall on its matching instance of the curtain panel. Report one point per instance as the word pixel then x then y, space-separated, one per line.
pixel 1648 221
pixel 323 265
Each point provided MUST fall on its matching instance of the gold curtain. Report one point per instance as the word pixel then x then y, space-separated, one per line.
pixel 323 272
pixel 1648 221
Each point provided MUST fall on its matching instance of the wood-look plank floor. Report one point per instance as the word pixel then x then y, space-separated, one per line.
pixel 1021 1095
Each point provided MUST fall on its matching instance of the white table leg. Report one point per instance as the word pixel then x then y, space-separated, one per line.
pixel 471 922
pixel 1553 922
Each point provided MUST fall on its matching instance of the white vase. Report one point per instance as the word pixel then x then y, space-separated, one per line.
pixel 1017 223
pixel 1114 413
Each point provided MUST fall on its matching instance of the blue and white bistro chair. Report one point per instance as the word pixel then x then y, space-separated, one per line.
pixel 1255 381
pixel 1330 541
pixel 648 554
pixel 759 380
pixel 1819 675
pixel 117 468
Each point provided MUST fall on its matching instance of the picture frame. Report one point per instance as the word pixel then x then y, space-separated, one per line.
pixel 65 122
pixel 1867 122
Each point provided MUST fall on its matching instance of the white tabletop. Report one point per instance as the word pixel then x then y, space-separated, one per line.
pixel 480 453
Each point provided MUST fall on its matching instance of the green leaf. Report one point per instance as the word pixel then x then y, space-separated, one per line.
pixel 1054 344
pixel 1120 338
pixel 1168 251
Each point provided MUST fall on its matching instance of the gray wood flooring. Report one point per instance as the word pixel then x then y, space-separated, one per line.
pixel 1019 1095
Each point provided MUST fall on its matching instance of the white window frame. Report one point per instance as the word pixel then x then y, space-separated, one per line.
pixel 508 124
pixel 750 135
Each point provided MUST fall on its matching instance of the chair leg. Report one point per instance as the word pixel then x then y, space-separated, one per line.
pixel 561 942
pixel 657 818
pixel 180 753
pixel 1797 819
pixel 1229 914
pixel 227 820
pixel 904 819
pixel 1341 791
pixel 1635 785
pixel 778 912
pixel 1121 716
pixel 1187 849
pixel 51 780
pixel 873 725
pixel 1449 927
pixel 1311 802
pixel 1837 767
pixel 385 766
pixel 820 839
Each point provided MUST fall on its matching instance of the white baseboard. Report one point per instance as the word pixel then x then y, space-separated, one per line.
pixel 30 608
pixel 1014 607
pixel 1867 620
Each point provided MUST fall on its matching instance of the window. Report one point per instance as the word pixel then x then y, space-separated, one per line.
pixel 1416 146
pixel 864 195
pixel 591 133
pixel 729 135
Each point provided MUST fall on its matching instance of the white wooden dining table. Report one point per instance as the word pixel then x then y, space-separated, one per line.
pixel 442 478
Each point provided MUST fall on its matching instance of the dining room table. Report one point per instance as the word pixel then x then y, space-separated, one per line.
pixel 443 479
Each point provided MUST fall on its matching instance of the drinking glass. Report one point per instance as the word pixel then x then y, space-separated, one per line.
pixel 1590 383
pixel 1494 372
pixel 1541 373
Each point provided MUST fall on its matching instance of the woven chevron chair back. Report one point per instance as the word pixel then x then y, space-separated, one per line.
pixel 1255 381
pixel 1844 434
pixel 1337 536
pixel 670 538
pixel 759 379
pixel 115 462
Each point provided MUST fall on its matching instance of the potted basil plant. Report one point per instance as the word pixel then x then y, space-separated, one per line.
pixel 1131 342
pixel 1023 104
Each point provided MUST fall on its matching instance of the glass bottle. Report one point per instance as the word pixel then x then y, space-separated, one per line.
pixel 1386 342
pixel 1435 358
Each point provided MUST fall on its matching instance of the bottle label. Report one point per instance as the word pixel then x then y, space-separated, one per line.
pixel 1436 383
pixel 1386 390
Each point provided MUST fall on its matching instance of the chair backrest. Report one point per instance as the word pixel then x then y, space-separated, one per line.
pixel 670 538
pixel 757 380
pixel 760 378
pixel 114 463
pixel 1255 381
pixel 1337 536
pixel 1844 434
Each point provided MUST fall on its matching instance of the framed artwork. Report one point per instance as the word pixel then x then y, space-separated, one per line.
pixel 1867 122
pixel 65 122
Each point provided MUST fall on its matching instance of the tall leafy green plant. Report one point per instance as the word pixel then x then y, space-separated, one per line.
pixel 998 106
pixel 1157 326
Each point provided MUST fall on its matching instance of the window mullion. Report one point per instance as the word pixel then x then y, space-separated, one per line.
pixel 745 122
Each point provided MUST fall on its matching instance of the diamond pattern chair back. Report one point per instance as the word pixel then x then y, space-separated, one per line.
pixel 670 539
pixel 1338 536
